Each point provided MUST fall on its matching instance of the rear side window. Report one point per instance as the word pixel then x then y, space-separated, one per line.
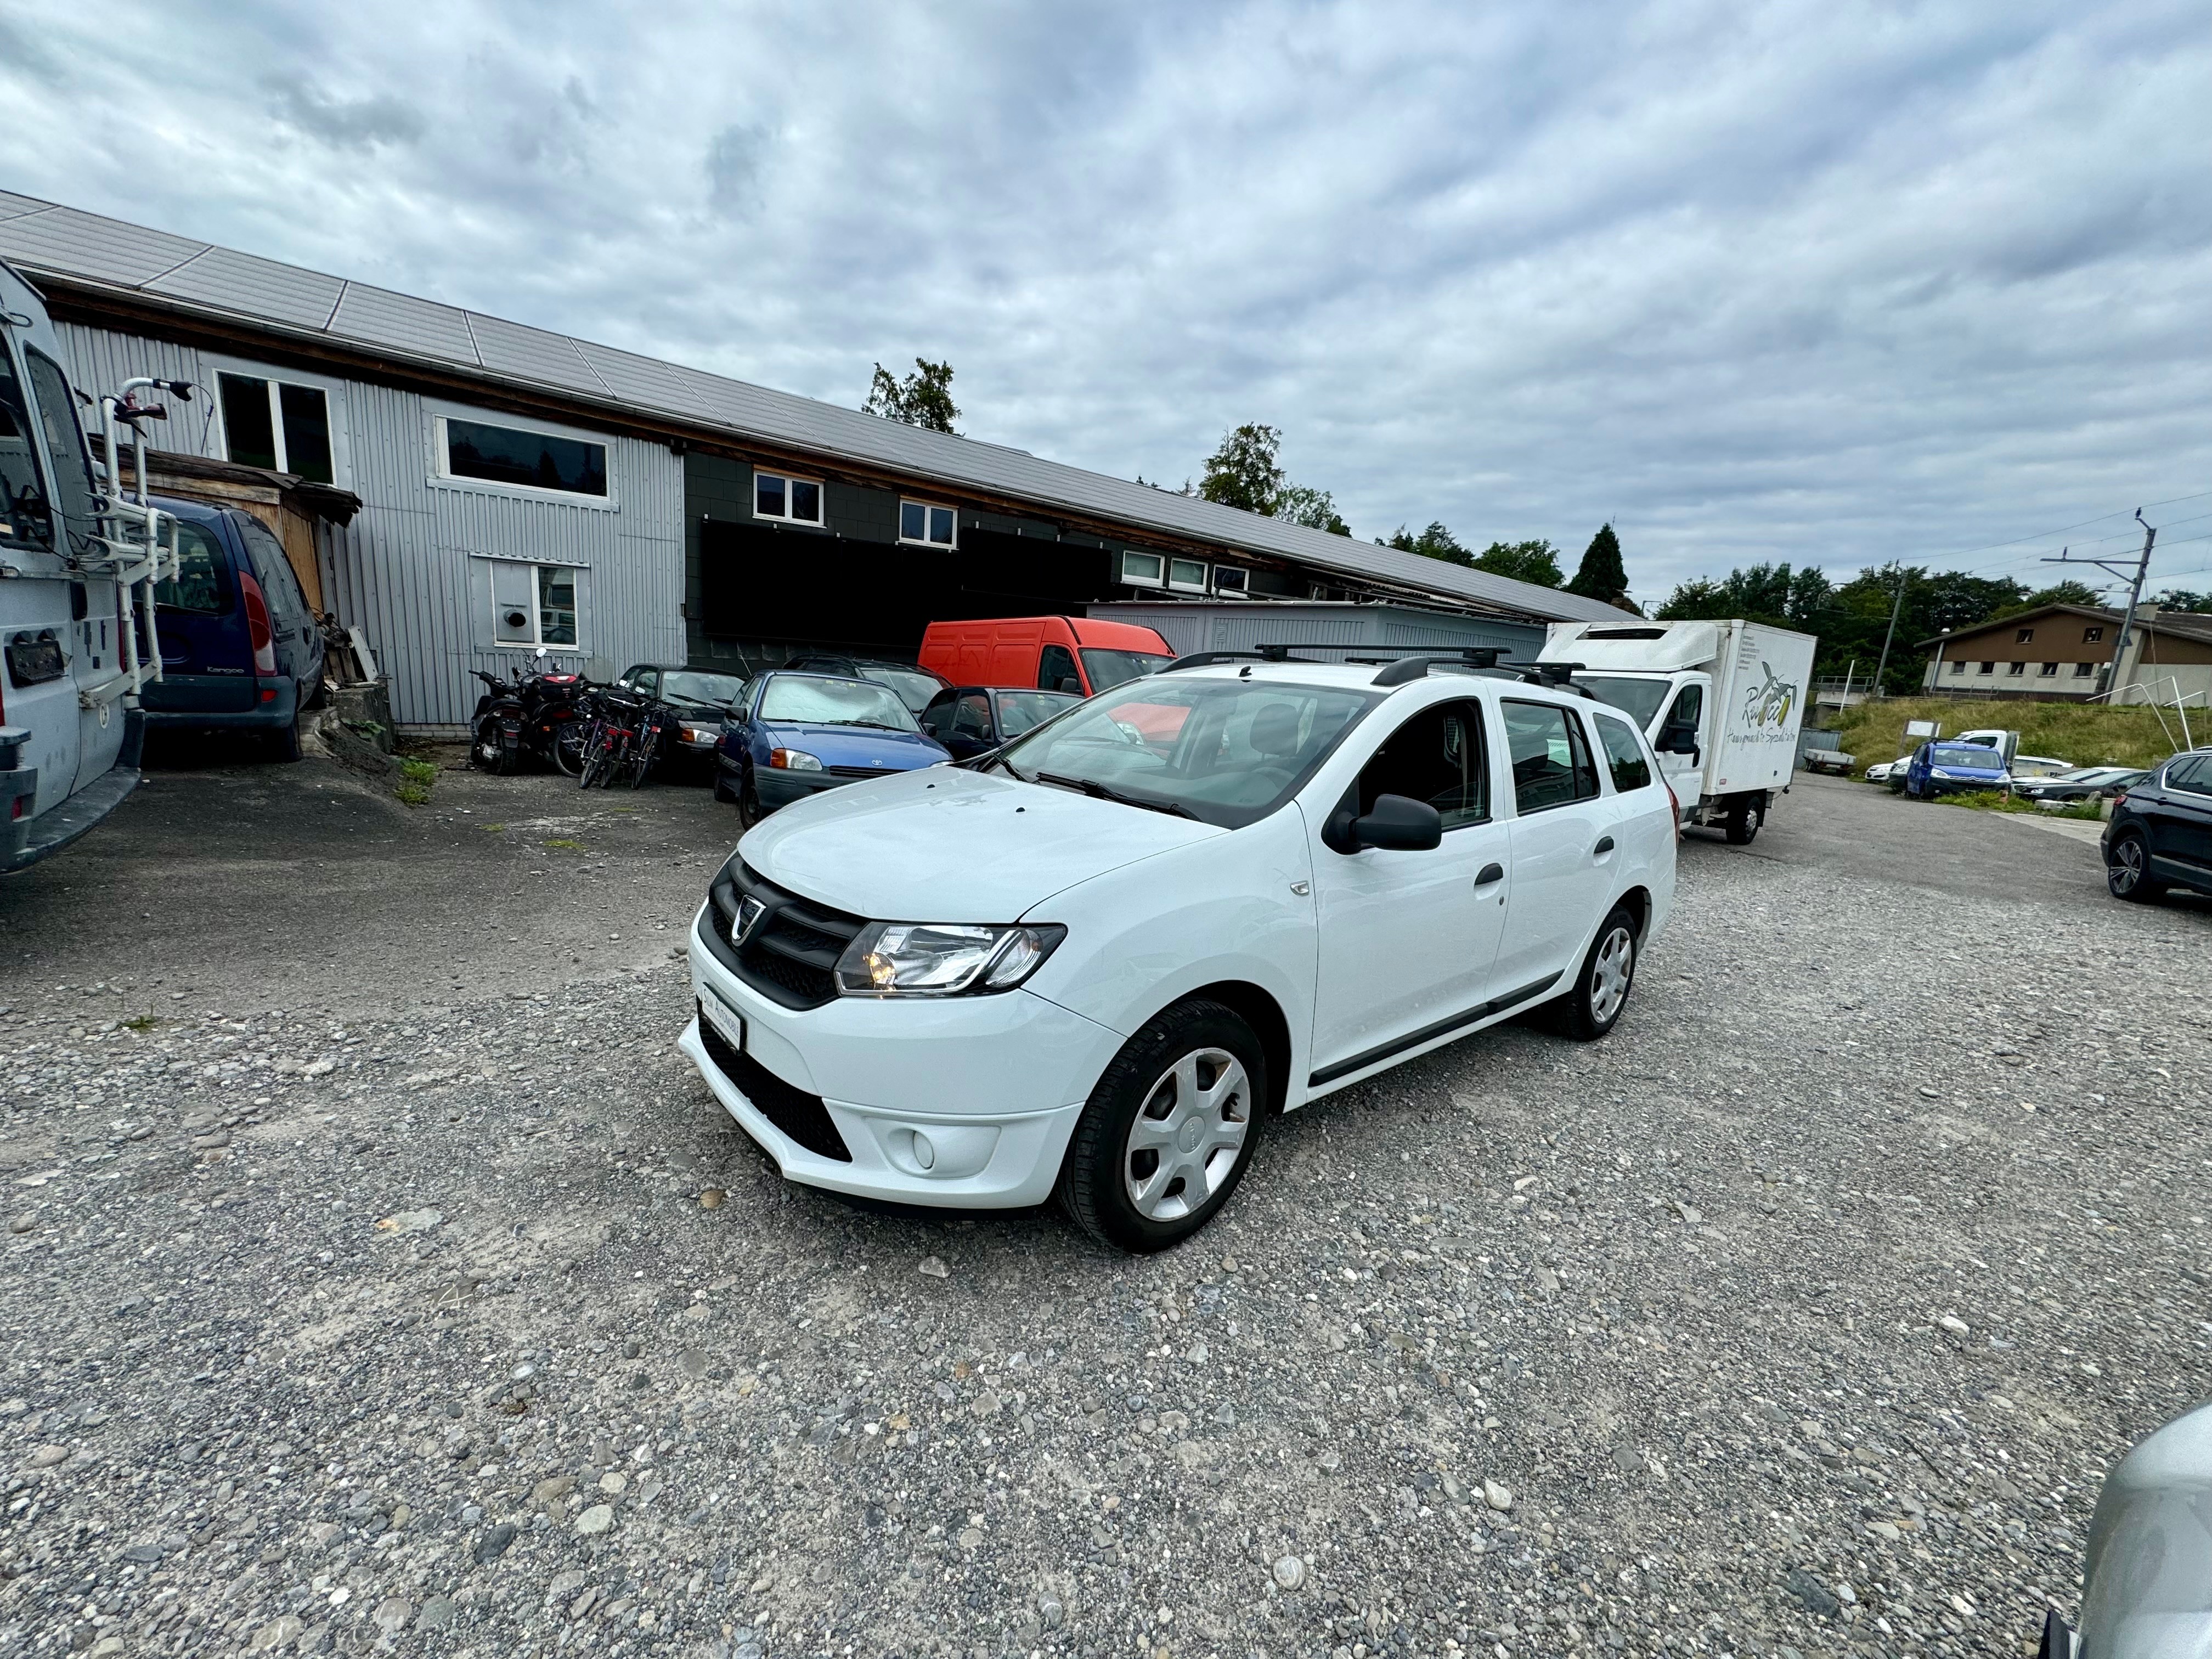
pixel 1623 753
pixel 2193 776
pixel 1551 758
pixel 271 566
pixel 198 588
pixel 1435 756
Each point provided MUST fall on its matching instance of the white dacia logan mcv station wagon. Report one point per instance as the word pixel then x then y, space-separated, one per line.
pixel 1092 964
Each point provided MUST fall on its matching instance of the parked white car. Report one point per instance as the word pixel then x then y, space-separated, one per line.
pixel 1093 964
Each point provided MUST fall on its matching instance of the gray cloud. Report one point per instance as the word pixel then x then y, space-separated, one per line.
pixel 1793 280
pixel 359 124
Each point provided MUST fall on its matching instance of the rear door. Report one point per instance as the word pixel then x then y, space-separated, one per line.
pixel 1564 854
pixel 207 663
pixel 1407 939
pixel 2183 829
pixel 95 643
pixel 298 641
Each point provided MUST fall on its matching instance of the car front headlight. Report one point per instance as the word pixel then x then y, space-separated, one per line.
pixel 793 760
pixel 698 734
pixel 942 959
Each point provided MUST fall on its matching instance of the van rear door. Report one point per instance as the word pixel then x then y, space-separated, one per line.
pixel 298 641
pixel 206 661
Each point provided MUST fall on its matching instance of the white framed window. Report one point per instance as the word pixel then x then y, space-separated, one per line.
pixel 520 461
pixel 279 424
pixel 1229 578
pixel 1144 569
pixel 535 605
pixel 1186 575
pixel 786 500
pixel 928 525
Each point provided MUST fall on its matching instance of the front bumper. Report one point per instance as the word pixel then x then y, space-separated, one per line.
pixel 963 1103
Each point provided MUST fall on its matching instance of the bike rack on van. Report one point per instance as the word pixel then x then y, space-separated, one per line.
pixel 135 544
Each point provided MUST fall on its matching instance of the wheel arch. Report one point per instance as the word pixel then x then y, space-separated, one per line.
pixel 1257 1007
pixel 1637 900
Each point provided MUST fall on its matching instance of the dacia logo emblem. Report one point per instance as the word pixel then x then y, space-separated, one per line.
pixel 749 912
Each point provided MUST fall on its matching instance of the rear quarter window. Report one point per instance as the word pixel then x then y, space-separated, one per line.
pixel 1624 754
pixel 198 587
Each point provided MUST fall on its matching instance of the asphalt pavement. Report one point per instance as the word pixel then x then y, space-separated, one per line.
pixel 379 1279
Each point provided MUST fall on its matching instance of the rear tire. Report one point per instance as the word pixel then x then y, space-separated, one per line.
pixel 285 743
pixel 1169 1131
pixel 1743 822
pixel 723 786
pixel 1599 995
pixel 2127 869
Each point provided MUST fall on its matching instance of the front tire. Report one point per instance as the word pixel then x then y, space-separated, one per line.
pixel 2127 871
pixel 1599 995
pixel 750 810
pixel 1169 1131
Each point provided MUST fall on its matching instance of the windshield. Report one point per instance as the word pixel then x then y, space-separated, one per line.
pixel 1966 755
pixel 1020 710
pixel 1228 752
pixel 1638 699
pixel 1108 669
pixel 804 698
pixel 715 691
pixel 915 687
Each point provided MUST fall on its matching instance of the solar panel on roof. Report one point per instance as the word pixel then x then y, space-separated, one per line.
pixel 423 326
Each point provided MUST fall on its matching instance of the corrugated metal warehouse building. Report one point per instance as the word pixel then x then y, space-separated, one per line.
pixel 521 488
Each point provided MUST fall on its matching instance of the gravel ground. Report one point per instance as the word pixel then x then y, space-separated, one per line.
pixel 1803 1315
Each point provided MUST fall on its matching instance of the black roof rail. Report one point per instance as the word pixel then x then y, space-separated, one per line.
pixel 1265 653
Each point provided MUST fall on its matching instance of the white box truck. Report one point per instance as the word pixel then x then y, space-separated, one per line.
pixel 1722 701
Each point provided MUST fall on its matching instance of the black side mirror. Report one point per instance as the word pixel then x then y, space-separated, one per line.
pixel 1677 740
pixel 1397 824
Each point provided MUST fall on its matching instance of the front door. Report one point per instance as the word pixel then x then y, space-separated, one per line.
pixel 1407 939
pixel 1684 726
pixel 1564 852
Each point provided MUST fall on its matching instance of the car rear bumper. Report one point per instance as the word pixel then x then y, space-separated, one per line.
pixel 962 1103
pixel 205 701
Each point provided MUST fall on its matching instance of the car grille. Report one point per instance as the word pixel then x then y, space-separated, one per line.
pixel 799 1115
pixel 862 771
pixel 790 954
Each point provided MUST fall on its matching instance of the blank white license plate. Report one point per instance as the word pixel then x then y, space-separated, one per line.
pixel 724 1019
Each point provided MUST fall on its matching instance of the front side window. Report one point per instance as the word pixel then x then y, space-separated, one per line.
pixel 789 501
pixel 1435 756
pixel 930 525
pixel 197 587
pixel 1226 752
pixel 523 459
pixel 1056 669
pixel 534 604
pixel 805 699
pixel 65 441
pixel 22 496
pixel 274 424
pixel 972 718
pixel 1108 669
pixel 1019 711
pixel 1551 759
pixel 937 719
pixel 1623 753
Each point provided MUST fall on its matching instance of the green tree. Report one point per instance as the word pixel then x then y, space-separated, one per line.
pixel 1536 562
pixel 1434 543
pixel 2185 599
pixel 1244 472
pixel 1297 504
pixel 2066 593
pixel 1601 576
pixel 924 398
pixel 1775 594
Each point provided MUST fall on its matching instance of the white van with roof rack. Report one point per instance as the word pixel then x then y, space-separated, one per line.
pixel 1093 963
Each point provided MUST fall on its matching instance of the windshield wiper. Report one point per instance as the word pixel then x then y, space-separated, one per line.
pixel 873 725
pixel 1098 791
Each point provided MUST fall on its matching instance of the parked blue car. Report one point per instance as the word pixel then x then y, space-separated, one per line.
pixel 241 649
pixel 796 734
pixel 1953 768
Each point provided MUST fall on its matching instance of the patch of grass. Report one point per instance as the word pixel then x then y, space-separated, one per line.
pixel 2084 734
pixel 563 846
pixel 416 779
pixel 1996 800
pixel 492 829
pixel 140 1023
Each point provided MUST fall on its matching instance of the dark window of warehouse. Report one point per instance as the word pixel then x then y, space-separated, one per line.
pixel 530 460
pixel 2091 635
pixel 276 424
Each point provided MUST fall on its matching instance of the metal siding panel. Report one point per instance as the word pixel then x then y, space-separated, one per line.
pixel 100 359
pixel 254 286
pixel 384 318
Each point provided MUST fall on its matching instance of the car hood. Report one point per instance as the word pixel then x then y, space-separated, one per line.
pixel 948 845
pixel 854 745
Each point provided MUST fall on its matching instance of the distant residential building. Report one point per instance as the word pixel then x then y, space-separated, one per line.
pixel 519 488
pixel 2064 652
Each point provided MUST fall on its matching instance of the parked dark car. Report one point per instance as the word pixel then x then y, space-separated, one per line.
pixel 914 684
pixel 2081 783
pixel 701 699
pixel 797 734
pixel 1943 768
pixel 974 719
pixel 2161 832
pixel 241 650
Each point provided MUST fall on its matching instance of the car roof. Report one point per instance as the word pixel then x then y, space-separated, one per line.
pixel 1360 676
pixel 196 511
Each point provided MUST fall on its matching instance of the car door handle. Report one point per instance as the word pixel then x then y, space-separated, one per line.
pixel 1490 872
pixel 1604 846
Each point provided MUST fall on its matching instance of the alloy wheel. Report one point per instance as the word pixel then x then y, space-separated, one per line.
pixel 1610 974
pixel 1185 1140
pixel 2127 865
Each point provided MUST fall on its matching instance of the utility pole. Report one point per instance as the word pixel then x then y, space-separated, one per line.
pixel 1903 576
pixel 2106 681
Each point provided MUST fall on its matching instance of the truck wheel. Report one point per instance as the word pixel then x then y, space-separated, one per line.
pixel 1169 1131
pixel 1743 821
pixel 1601 991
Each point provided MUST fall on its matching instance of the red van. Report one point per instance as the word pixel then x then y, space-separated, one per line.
pixel 1081 654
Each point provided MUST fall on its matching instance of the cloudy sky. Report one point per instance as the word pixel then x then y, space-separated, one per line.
pixel 1827 282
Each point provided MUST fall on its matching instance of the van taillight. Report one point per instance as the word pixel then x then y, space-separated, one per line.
pixel 257 627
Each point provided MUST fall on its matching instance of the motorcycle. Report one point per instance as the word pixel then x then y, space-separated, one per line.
pixel 536 712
